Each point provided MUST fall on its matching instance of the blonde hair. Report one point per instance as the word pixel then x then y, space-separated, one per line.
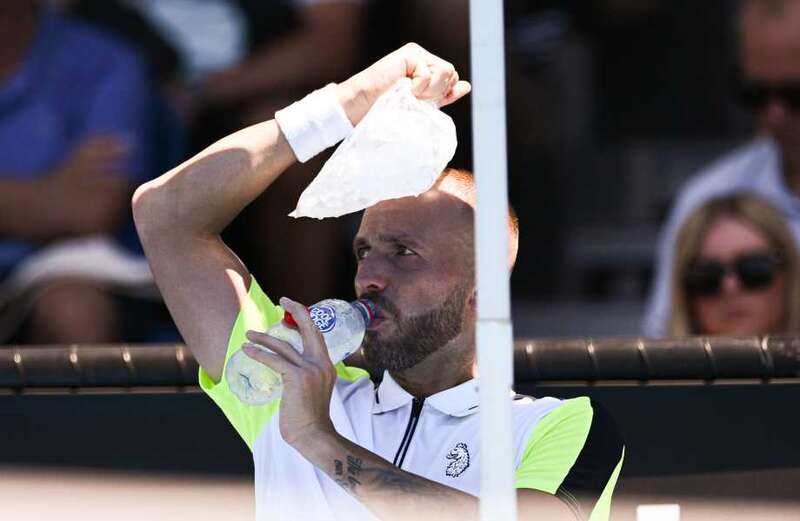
pixel 761 214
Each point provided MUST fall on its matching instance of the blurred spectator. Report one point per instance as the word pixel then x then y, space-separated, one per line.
pixel 769 33
pixel 322 45
pixel 736 271
pixel 73 121
pixel 242 60
pixel 166 143
pixel 124 20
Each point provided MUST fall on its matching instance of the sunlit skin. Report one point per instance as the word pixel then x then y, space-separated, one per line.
pixel 770 53
pixel 414 251
pixel 736 310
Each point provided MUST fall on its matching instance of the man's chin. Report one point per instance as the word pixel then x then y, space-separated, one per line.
pixel 381 334
pixel 374 362
pixel 387 358
pixel 379 358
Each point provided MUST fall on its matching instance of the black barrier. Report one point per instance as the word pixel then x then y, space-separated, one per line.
pixel 687 407
pixel 25 367
pixel 631 358
pixel 535 360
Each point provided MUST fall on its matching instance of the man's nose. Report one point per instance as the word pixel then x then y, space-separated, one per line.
pixel 371 276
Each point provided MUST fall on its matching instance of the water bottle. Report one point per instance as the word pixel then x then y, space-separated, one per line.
pixel 341 323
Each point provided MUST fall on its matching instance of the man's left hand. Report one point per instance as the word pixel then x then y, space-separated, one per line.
pixel 308 378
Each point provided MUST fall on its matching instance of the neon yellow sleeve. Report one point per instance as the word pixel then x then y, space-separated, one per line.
pixel 553 446
pixel 257 313
pixel 575 453
pixel 602 509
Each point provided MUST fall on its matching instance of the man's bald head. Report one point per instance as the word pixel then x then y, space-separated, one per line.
pixel 461 185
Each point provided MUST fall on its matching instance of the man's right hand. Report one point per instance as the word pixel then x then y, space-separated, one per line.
pixel 432 78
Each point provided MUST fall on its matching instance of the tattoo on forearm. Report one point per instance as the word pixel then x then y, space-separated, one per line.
pixel 354 468
pixel 385 479
pixel 353 465
pixel 398 481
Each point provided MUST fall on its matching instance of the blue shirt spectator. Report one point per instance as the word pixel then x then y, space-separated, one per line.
pixel 79 129
pixel 75 85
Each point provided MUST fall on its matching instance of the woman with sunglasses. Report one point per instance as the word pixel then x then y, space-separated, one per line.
pixel 736 271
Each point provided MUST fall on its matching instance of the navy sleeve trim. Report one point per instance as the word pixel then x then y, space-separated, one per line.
pixel 596 462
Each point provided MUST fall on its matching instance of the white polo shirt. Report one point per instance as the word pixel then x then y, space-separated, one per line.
pixel 564 447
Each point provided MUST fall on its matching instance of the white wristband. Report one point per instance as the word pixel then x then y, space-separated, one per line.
pixel 314 123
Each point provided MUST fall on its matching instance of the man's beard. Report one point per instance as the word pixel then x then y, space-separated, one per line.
pixel 414 337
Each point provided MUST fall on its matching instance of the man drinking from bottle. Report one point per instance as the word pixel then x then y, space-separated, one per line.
pixel 334 446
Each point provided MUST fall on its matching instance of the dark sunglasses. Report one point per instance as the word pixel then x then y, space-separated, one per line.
pixel 754 271
pixel 756 94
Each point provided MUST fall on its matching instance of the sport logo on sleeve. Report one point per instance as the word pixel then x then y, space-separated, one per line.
pixel 324 317
pixel 460 460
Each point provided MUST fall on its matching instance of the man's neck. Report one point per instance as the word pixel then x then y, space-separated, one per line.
pixel 447 367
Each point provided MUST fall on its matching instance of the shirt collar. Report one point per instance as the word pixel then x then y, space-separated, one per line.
pixel 461 400
pixel 389 395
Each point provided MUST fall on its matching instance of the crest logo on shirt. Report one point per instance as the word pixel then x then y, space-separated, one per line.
pixel 324 317
pixel 459 457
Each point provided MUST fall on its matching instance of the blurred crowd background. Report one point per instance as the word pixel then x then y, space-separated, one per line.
pixel 654 154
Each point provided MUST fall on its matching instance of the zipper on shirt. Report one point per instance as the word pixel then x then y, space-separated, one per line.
pixel 416 409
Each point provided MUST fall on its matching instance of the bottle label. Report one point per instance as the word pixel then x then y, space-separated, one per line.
pixel 324 317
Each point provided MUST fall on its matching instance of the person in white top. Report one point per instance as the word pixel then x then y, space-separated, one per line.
pixel 333 446
pixel 769 33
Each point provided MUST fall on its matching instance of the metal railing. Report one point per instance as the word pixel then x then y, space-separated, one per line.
pixel 536 360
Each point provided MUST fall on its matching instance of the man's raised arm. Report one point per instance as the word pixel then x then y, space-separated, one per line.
pixel 180 215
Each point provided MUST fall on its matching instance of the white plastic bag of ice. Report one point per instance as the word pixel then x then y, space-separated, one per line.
pixel 398 150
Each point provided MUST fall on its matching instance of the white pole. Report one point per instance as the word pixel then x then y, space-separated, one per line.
pixel 494 335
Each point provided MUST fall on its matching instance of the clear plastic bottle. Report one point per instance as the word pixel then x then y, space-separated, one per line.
pixel 341 323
